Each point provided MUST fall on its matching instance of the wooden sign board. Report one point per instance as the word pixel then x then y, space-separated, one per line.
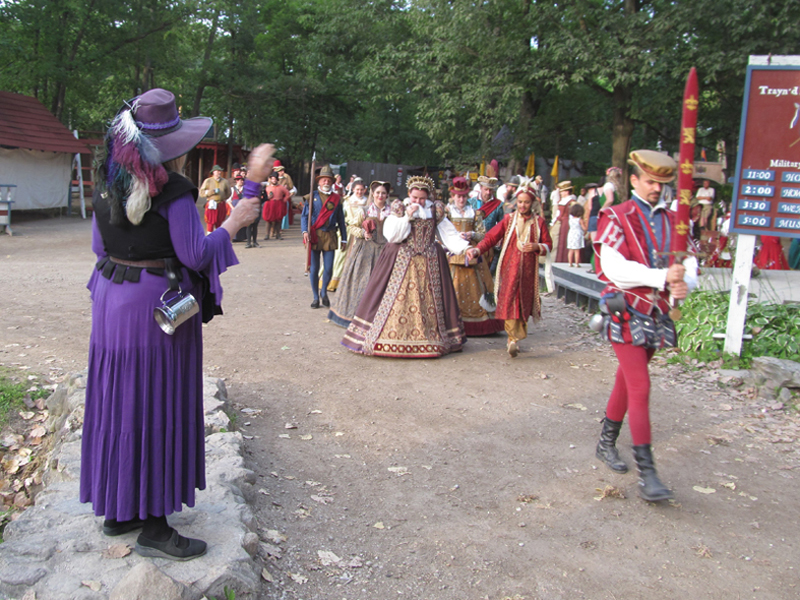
pixel 766 195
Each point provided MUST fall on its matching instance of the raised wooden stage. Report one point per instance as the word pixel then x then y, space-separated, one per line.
pixel 575 285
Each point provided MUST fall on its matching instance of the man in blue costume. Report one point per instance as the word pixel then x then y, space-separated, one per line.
pixel 319 231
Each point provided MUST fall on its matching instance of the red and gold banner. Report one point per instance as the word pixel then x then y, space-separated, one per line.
pixel 686 161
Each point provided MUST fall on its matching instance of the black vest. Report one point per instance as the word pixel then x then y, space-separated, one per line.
pixel 149 239
pixel 597 201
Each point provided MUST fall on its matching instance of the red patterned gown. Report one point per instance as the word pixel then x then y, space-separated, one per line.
pixel 518 293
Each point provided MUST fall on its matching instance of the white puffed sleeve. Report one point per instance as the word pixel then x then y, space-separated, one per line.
pixel 451 237
pixel 690 277
pixel 627 274
pixel 396 229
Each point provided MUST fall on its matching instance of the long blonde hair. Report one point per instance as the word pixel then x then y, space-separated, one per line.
pixel 614 175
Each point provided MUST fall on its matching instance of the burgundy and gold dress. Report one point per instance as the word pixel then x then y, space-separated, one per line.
pixel 410 309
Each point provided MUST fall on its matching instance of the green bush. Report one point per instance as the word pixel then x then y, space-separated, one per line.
pixel 775 328
pixel 579 182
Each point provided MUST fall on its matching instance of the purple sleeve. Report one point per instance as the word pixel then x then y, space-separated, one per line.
pixel 210 254
pixel 97 240
pixel 251 189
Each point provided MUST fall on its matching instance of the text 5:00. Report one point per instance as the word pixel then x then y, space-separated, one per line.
pixel 754 221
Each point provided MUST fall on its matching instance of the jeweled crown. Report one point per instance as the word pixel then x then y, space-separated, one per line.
pixel 421 182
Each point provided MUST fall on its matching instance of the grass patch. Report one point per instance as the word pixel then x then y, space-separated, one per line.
pixel 13 392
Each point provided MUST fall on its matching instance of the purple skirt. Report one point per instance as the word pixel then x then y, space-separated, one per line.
pixel 143 433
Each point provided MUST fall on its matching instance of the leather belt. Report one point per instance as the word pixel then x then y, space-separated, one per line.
pixel 158 263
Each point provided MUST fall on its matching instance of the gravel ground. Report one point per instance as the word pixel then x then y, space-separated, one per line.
pixel 467 477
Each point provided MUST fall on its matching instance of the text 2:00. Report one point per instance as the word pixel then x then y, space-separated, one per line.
pixel 757 190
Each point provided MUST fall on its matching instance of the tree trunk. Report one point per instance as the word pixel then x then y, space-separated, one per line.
pixel 58 100
pixel 622 129
pixel 147 74
pixel 203 79
pixel 529 108
pixel 56 105
pixel 36 61
pixel 230 142
pixel 622 132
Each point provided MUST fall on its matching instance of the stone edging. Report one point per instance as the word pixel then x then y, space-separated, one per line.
pixel 55 549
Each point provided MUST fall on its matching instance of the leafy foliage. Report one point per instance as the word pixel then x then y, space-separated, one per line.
pixel 775 328
pixel 414 81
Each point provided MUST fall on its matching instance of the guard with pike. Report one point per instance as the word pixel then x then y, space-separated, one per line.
pixel 322 215
pixel 641 276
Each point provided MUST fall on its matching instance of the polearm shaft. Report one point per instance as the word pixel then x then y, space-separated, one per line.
pixel 310 206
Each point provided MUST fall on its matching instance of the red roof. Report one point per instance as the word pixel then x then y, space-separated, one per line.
pixel 26 123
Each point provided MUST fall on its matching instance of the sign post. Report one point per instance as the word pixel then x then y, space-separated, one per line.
pixel 766 189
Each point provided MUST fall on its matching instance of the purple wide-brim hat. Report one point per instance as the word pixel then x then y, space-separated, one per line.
pixel 156 114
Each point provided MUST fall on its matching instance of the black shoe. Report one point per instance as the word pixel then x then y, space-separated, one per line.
pixel 606 447
pixel 266 239
pixel 315 304
pixel 650 486
pixel 249 246
pixel 112 527
pixel 326 302
pixel 176 547
pixel 256 245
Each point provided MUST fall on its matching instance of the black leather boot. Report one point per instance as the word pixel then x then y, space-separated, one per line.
pixel 606 447
pixel 650 486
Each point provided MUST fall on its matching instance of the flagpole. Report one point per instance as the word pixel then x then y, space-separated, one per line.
pixel 680 241
pixel 686 162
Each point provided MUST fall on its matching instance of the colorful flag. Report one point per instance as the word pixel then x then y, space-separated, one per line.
pixel 530 170
pixel 554 172
pixel 686 162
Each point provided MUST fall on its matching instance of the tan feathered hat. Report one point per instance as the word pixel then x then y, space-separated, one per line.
pixel 658 166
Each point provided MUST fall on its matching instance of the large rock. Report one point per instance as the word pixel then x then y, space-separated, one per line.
pixel 217 422
pixel 773 374
pixel 55 547
pixel 215 395
pixel 145 581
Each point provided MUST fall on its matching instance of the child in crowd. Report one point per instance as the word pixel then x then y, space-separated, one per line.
pixel 577 229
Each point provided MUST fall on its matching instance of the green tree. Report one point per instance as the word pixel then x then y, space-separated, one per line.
pixel 62 51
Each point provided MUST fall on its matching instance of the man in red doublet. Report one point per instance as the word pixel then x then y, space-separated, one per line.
pixel 632 248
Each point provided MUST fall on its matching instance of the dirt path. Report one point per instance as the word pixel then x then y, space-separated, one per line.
pixel 468 477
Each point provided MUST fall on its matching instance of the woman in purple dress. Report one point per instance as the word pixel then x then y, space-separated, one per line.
pixel 143 448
